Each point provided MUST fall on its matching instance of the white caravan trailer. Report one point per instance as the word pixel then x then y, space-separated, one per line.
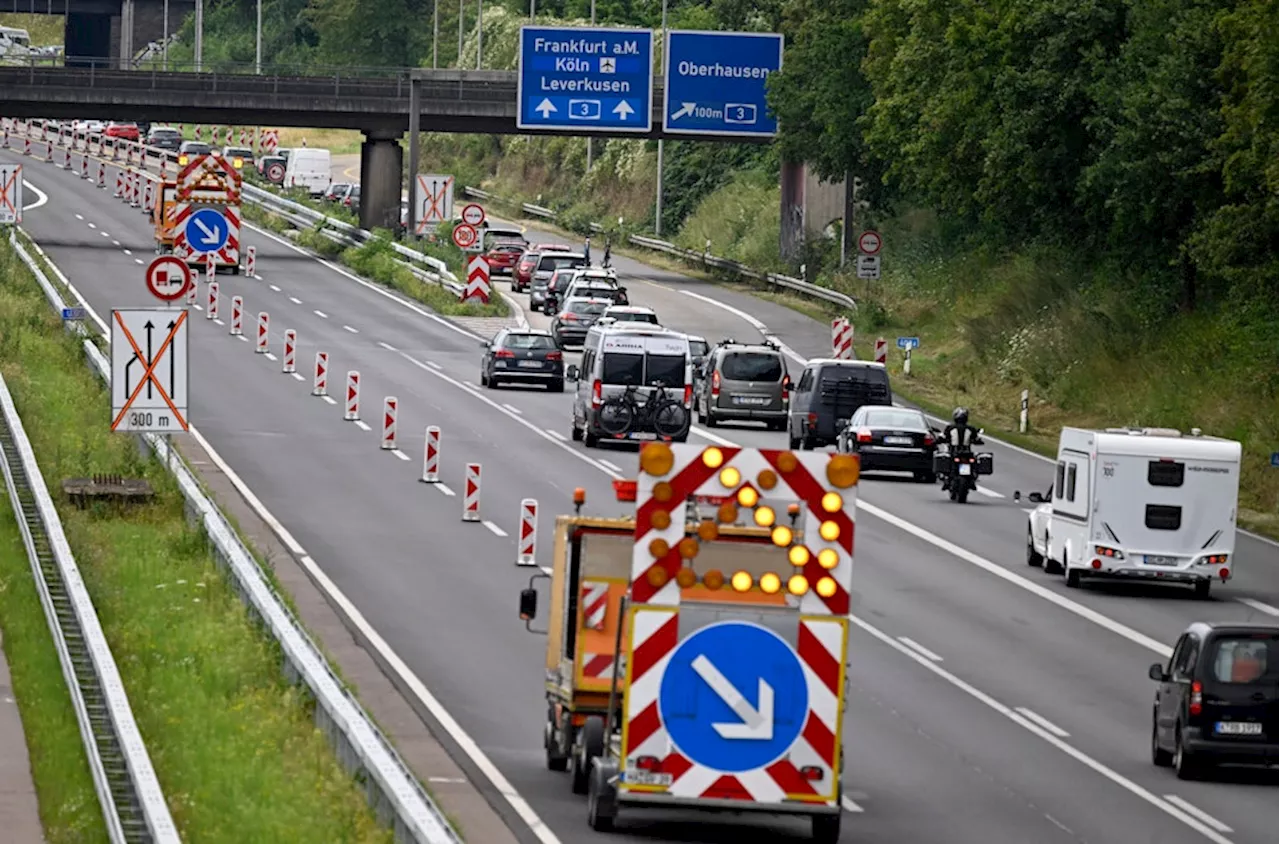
pixel 1145 504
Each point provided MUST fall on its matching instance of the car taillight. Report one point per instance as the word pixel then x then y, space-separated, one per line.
pixel 813 420
pixel 786 388
pixel 928 439
pixel 555 355
pixel 504 353
pixel 1104 551
pixel 715 384
pixel 864 435
pixel 597 394
pixel 568 317
pixel 688 395
pixel 647 763
pixel 1197 698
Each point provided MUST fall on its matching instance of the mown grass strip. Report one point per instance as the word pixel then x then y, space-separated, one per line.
pixel 235 747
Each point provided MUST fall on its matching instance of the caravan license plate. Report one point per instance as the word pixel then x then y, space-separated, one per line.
pixel 648 778
pixel 1161 561
pixel 965 468
pixel 1238 728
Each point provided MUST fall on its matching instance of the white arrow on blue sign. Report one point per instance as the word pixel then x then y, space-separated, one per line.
pixel 908 342
pixel 583 79
pixel 206 230
pixel 716 82
pixel 733 697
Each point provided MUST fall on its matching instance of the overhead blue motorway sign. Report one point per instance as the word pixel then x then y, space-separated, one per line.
pixel 715 83
pixel 580 79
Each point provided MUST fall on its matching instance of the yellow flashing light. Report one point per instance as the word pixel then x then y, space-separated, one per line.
pixel 708 531
pixel 767 479
pixel 657 459
pixel 832 502
pixel 829 531
pixel 781 536
pixel 797 584
pixel 661 520
pixel 730 477
pixel 688 547
pixel 799 555
pixel 748 497
pixel 826 587
pixel 843 470
pixel 712 458
pixel 657 577
pixel 828 558
pixel 713 580
pixel 659 548
pixel 764 516
pixel 741 581
pixel 770 583
pixel 686 577
pixel 787 462
pixel 728 513
pixel 663 492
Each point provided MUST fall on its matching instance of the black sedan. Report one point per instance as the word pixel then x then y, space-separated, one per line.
pixel 528 355
pixel 575 319
pixel 894 439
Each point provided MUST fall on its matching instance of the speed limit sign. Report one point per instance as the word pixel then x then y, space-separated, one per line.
pixel 464 236
pixel 473 215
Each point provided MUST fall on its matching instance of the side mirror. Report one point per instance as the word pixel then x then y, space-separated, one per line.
pixel 1035 498
pixel 529 604
pixel 572 372
pixel 484 344
pixel 1156 672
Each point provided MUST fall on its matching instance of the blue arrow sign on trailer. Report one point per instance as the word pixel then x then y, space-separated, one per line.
pixel 716 82
pixel 207 230
pixel 584 79
pixel 733 696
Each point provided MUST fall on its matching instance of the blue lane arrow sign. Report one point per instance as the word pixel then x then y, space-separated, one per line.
pixel 716 81
pixel 733 697
pixel 206 230
pixel 585 79
pixel 908 342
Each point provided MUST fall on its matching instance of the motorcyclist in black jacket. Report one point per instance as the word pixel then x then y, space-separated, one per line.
pixel 960 435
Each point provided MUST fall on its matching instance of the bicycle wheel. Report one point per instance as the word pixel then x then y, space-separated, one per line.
pixel 671 419
pixel 616 416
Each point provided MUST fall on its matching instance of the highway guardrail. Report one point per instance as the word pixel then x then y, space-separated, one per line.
pixel 392 789
pixel 703 259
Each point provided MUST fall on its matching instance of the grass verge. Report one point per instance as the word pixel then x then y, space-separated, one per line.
pixel 234 745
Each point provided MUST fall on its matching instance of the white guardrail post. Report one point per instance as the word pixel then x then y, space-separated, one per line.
pixel 361 746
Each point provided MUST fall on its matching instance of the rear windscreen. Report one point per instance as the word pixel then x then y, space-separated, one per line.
pixel 899 419
pixel 667 370
pixel 858 384
pixel 699 348
pixel 1244 660
pixel 623 369
pixel 752 366
pixel 593 308
pixel 529 341
pixel 561 263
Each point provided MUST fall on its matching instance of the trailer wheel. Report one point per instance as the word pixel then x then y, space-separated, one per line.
pixel 589 745
pixel 602 806
pixel 826 828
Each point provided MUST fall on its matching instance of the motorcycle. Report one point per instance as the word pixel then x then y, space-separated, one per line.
pixel 959 469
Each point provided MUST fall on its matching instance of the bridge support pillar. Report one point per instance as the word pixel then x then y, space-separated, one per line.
pixel 381 169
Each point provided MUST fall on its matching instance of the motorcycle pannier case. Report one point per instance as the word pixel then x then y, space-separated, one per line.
pixel 941 462
pixel 985 466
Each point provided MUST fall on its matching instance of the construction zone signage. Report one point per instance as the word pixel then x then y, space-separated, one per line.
pixel 727 702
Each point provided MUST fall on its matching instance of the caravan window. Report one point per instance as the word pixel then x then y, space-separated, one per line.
pixel 1164 517
pixel 1165 473
pixel 621 368
pixel 1071 482
pixel 1057 483
pixel 667 369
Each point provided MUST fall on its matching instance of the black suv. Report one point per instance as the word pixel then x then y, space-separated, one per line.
pixel 828 394
pixel 1216 702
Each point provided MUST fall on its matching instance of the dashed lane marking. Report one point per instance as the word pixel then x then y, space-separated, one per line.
pixel 362 425
pixel 494 529
pixel 321 314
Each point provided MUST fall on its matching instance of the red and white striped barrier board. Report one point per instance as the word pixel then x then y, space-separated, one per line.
pixel 808 598
pixel 353 397
pixel 528 544
pixel 471 494
pixel 244 138
pixel 237 315
pixel 270 140
pixel 164 168
pixel 264 333
pixel 595 604
pixel 212 312
pixel 882 350
pixel 251 261
pixel 431 456
pixel 231 138
pixel 477 288
pixel 321 384
pixel 199 131
pixel 390 405
pixel 290 355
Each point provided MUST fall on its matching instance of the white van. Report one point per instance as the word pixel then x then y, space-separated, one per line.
pixel 14 42
pixel 1139 504
pixel 310 169
pixel 623 365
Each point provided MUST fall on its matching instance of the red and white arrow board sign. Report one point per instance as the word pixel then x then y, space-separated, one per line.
pixel 168 278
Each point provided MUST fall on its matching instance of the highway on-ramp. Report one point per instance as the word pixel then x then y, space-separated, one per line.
pixel 988 703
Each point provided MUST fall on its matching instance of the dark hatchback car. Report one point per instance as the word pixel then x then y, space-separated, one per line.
pixel 164 137
pixel 893 439
pixel 575 319
pixel 828 394
pixel 528 356
pixel 1217 699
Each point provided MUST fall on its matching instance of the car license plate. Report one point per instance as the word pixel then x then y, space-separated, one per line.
pixel 642 435
pixel 1161 561
pixel 751 400
pixel 531 364
pixel 648 778
pixel 965 468
pixel 897 440
pixel 1238 728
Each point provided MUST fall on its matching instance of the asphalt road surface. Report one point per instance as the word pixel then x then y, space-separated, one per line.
pixel 987 701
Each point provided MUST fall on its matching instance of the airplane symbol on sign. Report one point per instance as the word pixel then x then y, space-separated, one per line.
pixel 608 65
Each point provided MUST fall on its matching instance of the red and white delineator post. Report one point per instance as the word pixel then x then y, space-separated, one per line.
pixel 212 311
pixel 431 456
pixel 135 194
pixel 882 350
pixel 84 165
pixel 321 385
pixel 119 194
pixel 289 356
pixel 193 293
pixel 782 636
pixel 148 198
pixel 527 547
pixel 237 315
pixel 264 333
pixel 352 412
pixel 390 409
pixel 471 494
pixel 102 174
pixel 210 267
pixel 251 261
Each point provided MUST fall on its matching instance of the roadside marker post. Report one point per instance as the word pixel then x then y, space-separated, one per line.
pixel 471 498
pixel 526 556
pixel 251 261
pixel 907 344
pixel 431 456
pixel 390 406
pixel 237 315
pixel 264 333
pixel 321 387
pixel 212 311
pixel 289 357
pixel 1022 413
pixel 353 397
pixel 882 350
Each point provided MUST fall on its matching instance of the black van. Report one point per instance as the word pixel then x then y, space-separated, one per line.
pixel 827 395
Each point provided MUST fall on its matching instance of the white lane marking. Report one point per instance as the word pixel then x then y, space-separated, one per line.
pixel 1259 606
pixel 78 216
pixel 1035 729
pixel 561 437
pixel 198 307
pixel 274 289
pixel 243 337
pixel 612 466
pixel 137 260
pixel 218 321
pixel 41 197
pixel 578 454
pixel 295 300
pixel 267 355
pixel 106 234
pixel 387 346
pixel 919 648
pixel 297 376
pixel 517 410
pixel 715 438
pixel 128 251
pixel 321 314
pixel 362 425
pixel 494 529
pixel 398 453
pixel 444 490
pixel 989 493
pixel 352 330
pixel 849 805
pixel 330 399
pixel 91 225
pixel 434 365
pixel 1043 721
pixel 1197 812
pixel 753 322
pixel 115 243
pixel 546 569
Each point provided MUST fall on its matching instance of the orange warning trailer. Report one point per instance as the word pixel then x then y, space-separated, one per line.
pixel 162 206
